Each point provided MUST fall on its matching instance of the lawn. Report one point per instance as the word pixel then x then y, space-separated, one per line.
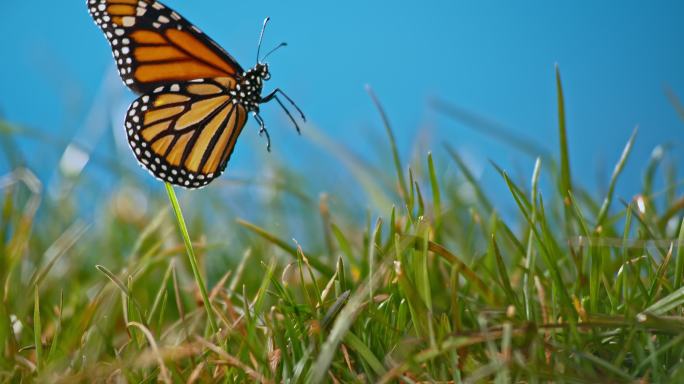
pixel 573 286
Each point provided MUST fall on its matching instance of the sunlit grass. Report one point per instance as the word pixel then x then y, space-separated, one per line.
pixel 572 287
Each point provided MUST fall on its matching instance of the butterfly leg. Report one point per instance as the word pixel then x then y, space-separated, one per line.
pixel 278 90
pixel 262 130
pixel 274 95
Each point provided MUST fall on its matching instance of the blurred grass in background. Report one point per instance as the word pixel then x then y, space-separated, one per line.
pixel 417 276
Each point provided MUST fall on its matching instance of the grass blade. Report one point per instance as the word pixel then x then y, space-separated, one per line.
pixel 37 329
pixel 343 322
pixel 164 372
pixel 667 303
pixel 114 279
pixel 191 256
pixel 365 353
pixel 393 144
pixel 481 196
pixel 565 178
pixel 613 180
pixel 503 273
pixel 436 197
pixel 676 103
pixel 679 261
pixel 492 129
pixel 315 262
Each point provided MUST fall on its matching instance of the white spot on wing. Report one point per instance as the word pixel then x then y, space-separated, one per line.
pixel 128 21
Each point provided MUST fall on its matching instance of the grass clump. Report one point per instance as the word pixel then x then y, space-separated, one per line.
pixel 571 287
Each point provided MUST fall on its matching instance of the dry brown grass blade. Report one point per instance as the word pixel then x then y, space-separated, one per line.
pixel 163 371
pixel 232 360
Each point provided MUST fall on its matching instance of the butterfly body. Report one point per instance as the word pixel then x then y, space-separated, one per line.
pixel 194 97
pixel 248 89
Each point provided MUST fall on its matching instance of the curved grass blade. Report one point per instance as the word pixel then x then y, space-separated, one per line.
pixel 292 251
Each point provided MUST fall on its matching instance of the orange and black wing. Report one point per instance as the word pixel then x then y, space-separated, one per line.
pixel 184 133
pixel 153 45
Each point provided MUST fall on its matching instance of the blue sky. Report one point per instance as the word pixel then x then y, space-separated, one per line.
pixel 495 58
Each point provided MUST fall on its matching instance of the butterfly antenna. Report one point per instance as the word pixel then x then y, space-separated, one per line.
pixel 283 44
pixel 261 37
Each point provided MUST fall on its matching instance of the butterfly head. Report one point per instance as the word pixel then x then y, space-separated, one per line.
pixel 261 70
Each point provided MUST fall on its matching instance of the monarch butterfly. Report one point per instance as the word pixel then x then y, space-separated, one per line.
pixel 194 96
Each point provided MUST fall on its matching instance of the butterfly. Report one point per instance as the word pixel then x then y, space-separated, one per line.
pixel 194 96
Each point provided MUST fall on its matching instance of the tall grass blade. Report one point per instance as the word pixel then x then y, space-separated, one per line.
pixel 529 252
pixel 401 179
pixel 565 180
pixel 481 196
pixel 37 329
pixel 199 280
pixel 491 128
pixel 613 180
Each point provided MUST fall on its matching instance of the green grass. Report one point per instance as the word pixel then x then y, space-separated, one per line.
pixel 571 287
